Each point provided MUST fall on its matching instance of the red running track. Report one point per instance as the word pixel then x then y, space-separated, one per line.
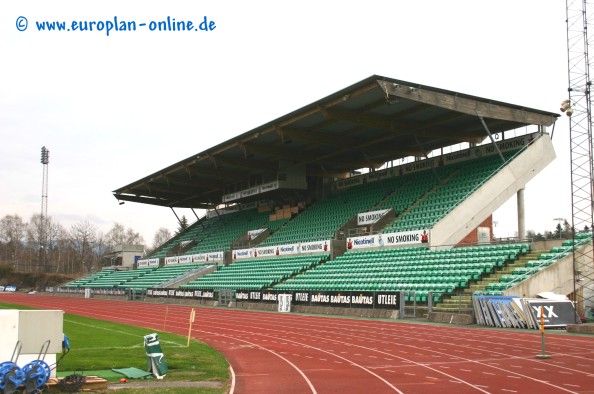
pixel 289 353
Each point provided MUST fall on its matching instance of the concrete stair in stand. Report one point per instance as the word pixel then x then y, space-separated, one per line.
pixel 462 303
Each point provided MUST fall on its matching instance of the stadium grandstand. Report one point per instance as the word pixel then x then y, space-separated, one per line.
pixel 377 197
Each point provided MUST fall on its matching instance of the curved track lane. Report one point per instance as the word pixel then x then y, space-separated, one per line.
pixel 271 352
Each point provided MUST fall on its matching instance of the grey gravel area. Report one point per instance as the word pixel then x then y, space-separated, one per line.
pixel 153 384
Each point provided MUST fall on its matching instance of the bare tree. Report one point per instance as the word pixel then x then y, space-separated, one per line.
pixel 83 237
pixel 48 244
pixel 120 235
pixel 37 230
pixel 12 233
pixel 116 235
pixel 531 234
pixel 34 229
pixel 133 238
pixel 161 236
pixel 57 244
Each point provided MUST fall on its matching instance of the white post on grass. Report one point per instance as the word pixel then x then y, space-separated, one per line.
pixel 165 320
pixel 192 317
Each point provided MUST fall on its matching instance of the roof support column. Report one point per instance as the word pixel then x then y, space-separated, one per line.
pixel 480 116
pixel 179 221
pixel 427 157
pixel 372 170
pixel 198 219
pixel 521 214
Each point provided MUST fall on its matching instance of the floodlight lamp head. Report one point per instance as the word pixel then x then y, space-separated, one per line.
pixel 569 112
pixel 44 155
pixel 396 86
pixel 565 105
pixel 412 90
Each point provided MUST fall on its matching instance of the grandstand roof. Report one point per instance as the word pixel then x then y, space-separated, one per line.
pixel 364 125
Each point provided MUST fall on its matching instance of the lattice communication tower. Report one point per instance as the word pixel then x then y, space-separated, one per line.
pixel 578 107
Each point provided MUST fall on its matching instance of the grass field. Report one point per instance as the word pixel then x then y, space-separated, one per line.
pixel 97 345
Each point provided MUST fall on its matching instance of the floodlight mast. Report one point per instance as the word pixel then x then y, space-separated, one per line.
pixel 578 107
pixel 43 222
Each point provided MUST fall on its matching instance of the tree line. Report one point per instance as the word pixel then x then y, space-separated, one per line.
pixel 564 231
pixel 44 245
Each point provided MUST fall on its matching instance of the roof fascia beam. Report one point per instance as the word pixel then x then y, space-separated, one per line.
pixel 465 105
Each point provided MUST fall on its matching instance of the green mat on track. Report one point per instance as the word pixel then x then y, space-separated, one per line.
pixel 110 374
pixel 133 373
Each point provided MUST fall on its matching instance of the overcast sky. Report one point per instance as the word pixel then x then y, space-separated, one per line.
pixel 113 109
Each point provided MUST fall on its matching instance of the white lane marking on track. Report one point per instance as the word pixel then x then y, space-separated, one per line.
pixel 382 366
pixel 312 388
pixel 232 388
pixel 585 365
pixel 322 350
pixel 359 346
pixel 356 365
pixel 253 374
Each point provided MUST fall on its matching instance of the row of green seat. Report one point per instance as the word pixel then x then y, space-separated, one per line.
pixel 249 273
pixel 139 278
pixel 389 270
pixel 532 267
